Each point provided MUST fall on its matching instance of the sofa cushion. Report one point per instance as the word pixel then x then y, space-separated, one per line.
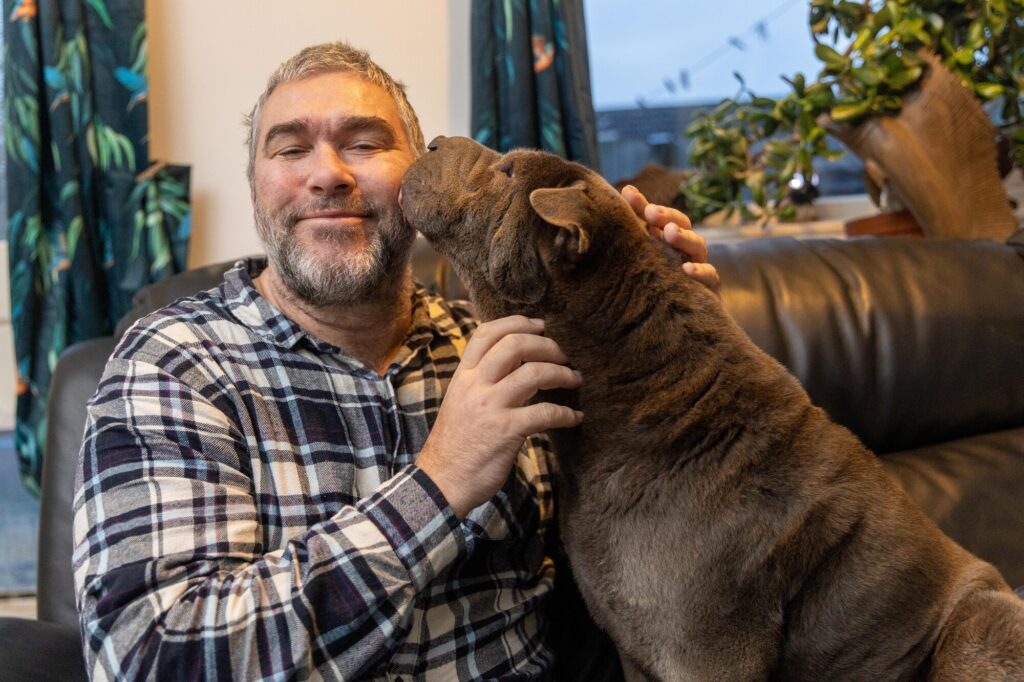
pixel 37 651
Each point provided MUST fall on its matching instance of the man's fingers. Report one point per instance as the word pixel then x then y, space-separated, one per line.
pixel 490 333
pixel 687 242
pixel 635 200
pixel 660 216
pixel 523 383
pixel 513 351
pixel 706 274
pixel 543 416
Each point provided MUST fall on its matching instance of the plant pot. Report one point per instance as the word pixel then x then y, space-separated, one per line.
pixel 891 224
pixel 937 159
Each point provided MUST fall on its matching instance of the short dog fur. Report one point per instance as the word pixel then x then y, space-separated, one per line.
pixel 720 526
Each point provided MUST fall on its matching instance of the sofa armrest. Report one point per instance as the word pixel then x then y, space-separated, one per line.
pixel 38 651
pixel 74 381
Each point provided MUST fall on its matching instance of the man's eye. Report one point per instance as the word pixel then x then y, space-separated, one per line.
pixel 364 146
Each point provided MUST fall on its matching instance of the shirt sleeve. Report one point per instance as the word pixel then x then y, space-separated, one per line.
pixel 171 574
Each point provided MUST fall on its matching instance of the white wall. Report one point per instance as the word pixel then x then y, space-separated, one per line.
pixel 210 60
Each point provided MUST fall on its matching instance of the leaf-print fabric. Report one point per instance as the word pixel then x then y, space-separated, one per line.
pixel 531 79
pixel 84 230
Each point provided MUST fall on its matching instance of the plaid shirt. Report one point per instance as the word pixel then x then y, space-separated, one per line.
pixel 248 507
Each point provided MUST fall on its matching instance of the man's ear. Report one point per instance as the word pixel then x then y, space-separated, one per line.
pixel 566 208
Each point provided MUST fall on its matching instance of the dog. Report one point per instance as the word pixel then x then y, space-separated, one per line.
pixel 719 526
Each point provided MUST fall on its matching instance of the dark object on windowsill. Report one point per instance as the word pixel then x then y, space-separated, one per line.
pixel 803 190
pixel 659 185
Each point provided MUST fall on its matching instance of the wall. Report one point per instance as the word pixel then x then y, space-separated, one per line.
pixel 210 60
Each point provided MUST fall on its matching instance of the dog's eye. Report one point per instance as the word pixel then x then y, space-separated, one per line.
pixel 507 169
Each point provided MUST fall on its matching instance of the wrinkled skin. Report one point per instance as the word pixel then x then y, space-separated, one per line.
pixel 719 525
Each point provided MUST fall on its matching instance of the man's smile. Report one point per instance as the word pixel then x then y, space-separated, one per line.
pixel 334 215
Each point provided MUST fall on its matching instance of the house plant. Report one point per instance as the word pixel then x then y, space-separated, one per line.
pixel 903 84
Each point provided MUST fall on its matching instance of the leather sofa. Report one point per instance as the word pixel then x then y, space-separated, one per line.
pixel 916 345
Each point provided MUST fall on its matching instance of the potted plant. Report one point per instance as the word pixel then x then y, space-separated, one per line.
pixel 907 85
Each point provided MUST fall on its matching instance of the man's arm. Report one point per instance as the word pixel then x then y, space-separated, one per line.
pixel 172 572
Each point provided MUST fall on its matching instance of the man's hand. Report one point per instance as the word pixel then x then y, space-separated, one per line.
pixel 484 418
pixel 674 227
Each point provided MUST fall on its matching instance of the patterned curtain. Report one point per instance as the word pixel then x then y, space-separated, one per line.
pixel 531 78
pixel 89 219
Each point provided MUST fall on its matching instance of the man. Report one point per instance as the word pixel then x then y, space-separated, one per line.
pixel 270 483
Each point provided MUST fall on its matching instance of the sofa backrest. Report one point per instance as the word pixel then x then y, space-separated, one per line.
pixel 905 341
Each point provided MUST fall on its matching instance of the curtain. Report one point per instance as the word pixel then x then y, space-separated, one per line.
pixel 89 219
pixel 531 78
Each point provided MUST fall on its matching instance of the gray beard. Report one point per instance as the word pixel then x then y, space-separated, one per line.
pixel 369 275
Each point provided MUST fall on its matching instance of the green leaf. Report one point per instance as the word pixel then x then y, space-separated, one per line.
pixel 101 10
pixel 865 34
pixel 140 48
pixel 902 79
pixel 69 190
pixel 965 55
pixel 975 34
pixel 847 112
pixel 820 96
pixel 830 57
pixel 74 232
pixel 989 90
pixel 868 75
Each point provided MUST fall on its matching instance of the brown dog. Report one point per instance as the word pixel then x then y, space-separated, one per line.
pixel 719 525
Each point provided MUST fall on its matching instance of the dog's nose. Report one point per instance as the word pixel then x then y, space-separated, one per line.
pixel 433 143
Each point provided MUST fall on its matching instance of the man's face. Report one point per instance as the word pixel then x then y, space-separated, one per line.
pixel 331 154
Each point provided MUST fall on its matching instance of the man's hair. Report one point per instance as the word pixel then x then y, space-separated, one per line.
pixel 332 58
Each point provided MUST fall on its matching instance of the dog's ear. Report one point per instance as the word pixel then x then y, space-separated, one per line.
pixel 513 268
pixel 567 208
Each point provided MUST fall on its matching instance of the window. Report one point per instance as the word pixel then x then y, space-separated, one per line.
pixel 656 65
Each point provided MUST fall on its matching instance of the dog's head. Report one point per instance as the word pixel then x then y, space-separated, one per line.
pixel 511 223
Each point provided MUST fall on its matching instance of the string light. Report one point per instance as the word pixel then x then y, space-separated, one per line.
pixel 759 29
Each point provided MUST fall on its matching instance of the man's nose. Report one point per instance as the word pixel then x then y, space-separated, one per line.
pixel 330 173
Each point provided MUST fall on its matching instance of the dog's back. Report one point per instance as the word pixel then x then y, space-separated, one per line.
pixel 722 527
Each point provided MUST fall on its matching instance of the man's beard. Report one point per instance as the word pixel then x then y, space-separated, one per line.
pixel 367 275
